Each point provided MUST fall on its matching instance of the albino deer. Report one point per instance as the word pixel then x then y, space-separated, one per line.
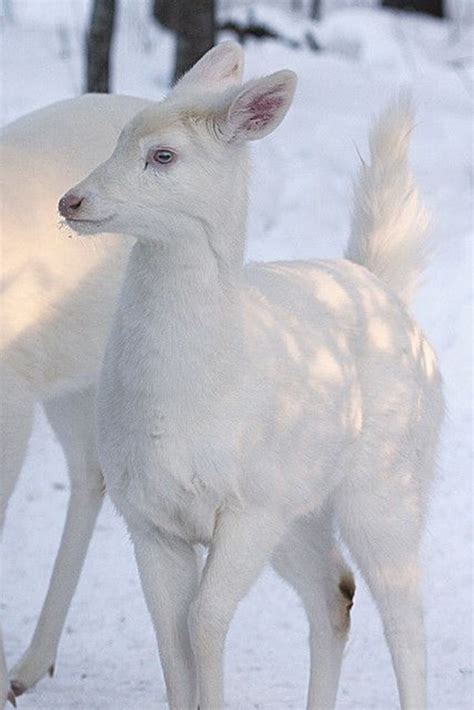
pixel 250 408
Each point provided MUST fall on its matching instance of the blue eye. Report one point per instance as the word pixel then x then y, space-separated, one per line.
pixel 161 156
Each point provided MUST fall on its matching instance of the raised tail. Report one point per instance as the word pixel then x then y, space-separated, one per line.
pixel 389 223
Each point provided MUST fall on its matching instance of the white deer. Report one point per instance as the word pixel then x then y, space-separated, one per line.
pixel 57 299
pixel 249 408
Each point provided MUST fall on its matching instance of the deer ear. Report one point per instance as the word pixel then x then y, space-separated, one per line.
pixel 259 107
pixel 221 67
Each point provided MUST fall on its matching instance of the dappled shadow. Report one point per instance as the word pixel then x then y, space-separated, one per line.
pixel 351 385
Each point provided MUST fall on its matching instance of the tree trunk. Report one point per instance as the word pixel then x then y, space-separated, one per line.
pixel 99 41
pixel 167 13
pixel 196 32
pixel 432 7
pixel 315 10
pixel 8 13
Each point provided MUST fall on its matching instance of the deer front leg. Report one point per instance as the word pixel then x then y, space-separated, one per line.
pixel 242 543
pixel 169 575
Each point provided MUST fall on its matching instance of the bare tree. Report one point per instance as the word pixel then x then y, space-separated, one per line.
pixel 167 13
pixel 99 42
pixel 432 7
pixel 196 32
pixel 315 9
pixel 7 11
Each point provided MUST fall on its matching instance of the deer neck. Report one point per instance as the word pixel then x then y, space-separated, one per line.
pixel 180 314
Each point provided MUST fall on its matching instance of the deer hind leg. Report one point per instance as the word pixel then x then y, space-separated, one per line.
pixel 16 418
pixel 308 558
pixel 381 525
pixel 72 419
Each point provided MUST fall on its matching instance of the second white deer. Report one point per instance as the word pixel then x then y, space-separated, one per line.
pixel 250 408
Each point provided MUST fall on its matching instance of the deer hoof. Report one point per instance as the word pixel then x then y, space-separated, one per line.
pixel 17 688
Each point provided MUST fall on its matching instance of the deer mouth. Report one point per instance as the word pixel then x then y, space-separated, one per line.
pixel 83 225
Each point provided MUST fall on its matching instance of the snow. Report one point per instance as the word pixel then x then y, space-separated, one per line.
pixel 300 208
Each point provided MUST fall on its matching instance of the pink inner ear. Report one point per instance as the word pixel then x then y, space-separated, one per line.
pixel 262 108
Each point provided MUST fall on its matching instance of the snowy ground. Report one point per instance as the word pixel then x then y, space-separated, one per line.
pixel 300 208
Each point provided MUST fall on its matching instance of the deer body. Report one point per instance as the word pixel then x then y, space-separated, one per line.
pixel 56 280
pixel 250 408
pixel 236 416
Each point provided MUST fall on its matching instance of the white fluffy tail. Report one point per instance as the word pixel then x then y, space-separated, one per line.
pixel 389 223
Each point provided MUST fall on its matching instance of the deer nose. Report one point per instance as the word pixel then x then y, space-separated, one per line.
pixel 69 205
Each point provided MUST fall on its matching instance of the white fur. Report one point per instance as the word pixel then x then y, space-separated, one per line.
pixel 389 224
pixel 250 408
